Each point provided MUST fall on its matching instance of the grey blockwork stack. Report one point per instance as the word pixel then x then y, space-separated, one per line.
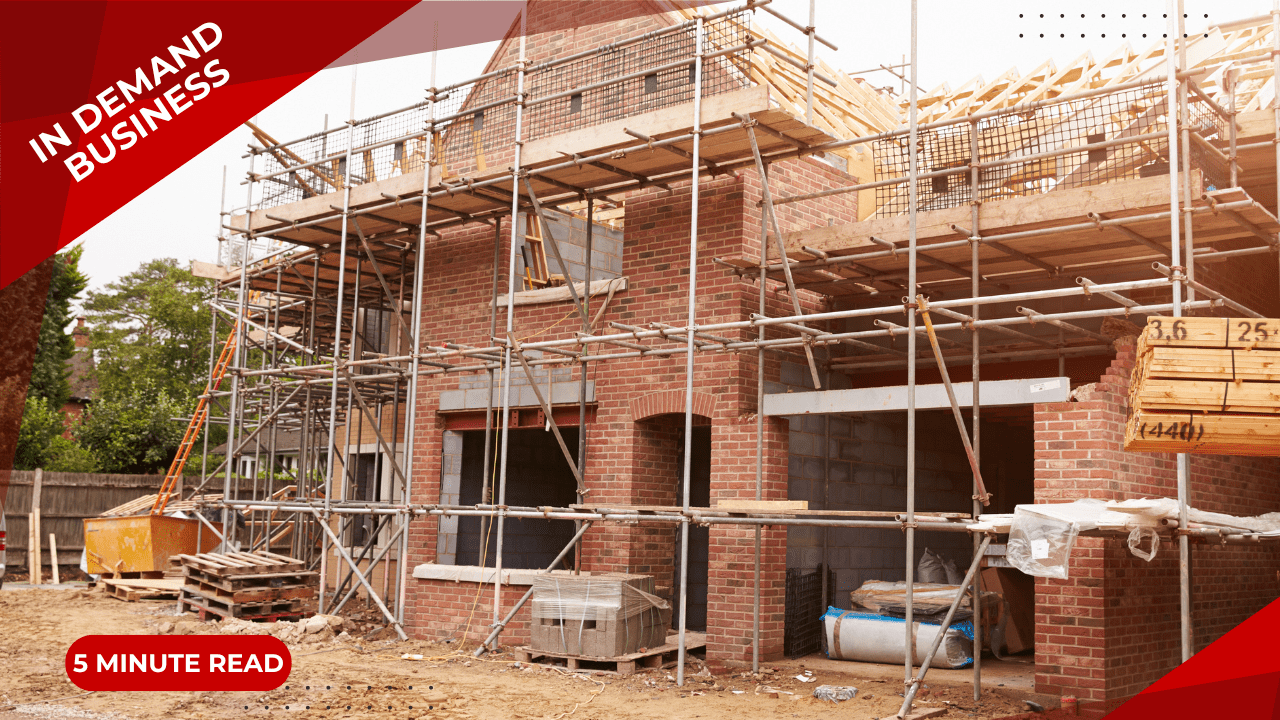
pixel 602 615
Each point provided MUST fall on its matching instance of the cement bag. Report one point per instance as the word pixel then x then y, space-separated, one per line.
pixel 877 638
pixel 931 569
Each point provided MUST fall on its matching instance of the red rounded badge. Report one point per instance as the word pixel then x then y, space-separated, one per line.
pixel 178 662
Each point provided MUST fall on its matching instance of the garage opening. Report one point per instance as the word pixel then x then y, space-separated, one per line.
pixel 857 461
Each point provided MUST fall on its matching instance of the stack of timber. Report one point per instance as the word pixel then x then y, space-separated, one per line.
pixel 250 586
pixel 1206 385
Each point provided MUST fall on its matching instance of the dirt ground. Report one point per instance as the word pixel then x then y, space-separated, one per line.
pixel 350 678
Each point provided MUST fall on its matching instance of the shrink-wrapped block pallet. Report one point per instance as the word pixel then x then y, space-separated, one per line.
pixel 600 615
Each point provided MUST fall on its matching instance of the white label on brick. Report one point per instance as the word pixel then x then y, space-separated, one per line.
pixel 1039 549
pixel 1041 387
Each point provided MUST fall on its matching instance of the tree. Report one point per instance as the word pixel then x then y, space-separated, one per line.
pixel 55 347
pixel 39 436
pixel 152 323
pixel 131 429
pixel 40 425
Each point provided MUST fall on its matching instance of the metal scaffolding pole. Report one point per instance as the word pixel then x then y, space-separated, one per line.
pixel 808 70
pixel 688 382
pixel 337 352
pixel 582 370
pixel 910 307
pixel 975 290
pixel 231 479
pixel 1275 102
pixel 764 275
pixel 1173 86
pixel 511 306
pixel 1184 123
pixel 487 478
pixel 411 403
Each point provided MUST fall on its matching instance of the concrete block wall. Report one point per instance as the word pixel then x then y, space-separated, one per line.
pixel 571 237
pixel 863 462
pixel 537 474
pixel 1113 627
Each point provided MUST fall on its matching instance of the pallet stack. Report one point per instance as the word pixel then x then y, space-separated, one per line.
pixel 1206 385
pixel 258 586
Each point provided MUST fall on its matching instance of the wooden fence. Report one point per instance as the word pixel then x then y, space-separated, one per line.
pixel 66 499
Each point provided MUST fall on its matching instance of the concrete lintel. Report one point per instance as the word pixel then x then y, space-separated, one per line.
pixel 475 573
pixel 563 392
pixel 928 397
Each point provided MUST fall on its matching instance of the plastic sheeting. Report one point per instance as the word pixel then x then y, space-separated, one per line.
pixel 581 596
pixel 875 638
pixel 1041 536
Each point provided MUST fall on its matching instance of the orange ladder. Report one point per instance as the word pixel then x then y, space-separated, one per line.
pixel 197 421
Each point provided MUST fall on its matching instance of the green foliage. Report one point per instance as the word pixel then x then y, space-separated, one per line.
pixel 66 455
pixel 40 425
pixel 130 429
pixel 55 347
pixel 152 323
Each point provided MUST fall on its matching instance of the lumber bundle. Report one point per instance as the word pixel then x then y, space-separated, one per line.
pixel 1206 385
pixel 249 586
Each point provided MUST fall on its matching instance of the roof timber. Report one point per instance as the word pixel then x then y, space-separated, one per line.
pixel 1082 227
pixel 1209 49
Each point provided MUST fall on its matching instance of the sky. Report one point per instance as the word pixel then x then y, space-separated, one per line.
pixel 178 217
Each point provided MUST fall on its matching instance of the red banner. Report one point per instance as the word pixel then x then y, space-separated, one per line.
pixel 178 662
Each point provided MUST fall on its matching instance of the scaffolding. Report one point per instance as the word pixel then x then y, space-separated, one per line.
pixel 324 350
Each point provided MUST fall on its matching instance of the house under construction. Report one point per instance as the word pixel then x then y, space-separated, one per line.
pixel 648 296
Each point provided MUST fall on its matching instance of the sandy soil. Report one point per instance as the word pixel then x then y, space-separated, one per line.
pixel 352 679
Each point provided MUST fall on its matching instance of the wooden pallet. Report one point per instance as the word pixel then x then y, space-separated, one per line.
pixel 142 589
pixel 623 665
pixel 250 586
pixel 133 575
pixel 205 612
pixel 242 563
pixel 246 582
pixel 243 611
pixel 221 593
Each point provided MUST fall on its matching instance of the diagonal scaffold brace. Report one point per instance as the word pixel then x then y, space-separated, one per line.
pixel 983 496
pixel 766 204
pixel 518 351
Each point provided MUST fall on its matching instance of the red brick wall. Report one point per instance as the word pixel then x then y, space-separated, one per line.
pixel 1112 628
pixel 444 609
pixel 628 460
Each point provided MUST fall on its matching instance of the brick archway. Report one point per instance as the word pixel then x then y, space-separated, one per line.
pixel 670 402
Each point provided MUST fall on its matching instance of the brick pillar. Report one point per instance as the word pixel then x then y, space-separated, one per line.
pixel 731 573
pixel 1079 454
pixel 1112 628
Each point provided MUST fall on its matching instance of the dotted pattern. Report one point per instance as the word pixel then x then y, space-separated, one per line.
pixel 1103 16
pixel 295 706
